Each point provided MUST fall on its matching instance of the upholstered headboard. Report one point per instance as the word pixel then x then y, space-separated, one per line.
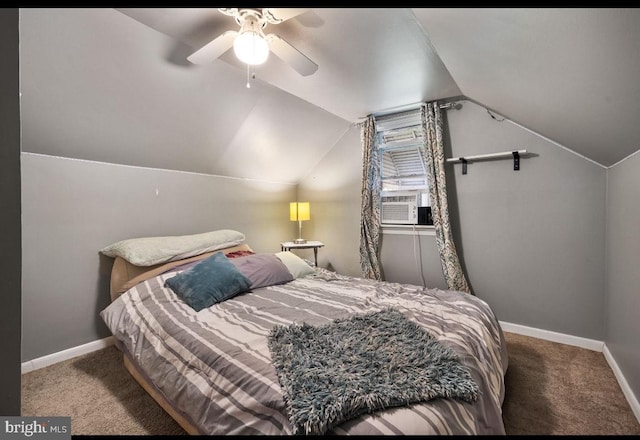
pixel 138 259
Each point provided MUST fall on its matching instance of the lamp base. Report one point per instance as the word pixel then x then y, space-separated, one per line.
pixel 300 241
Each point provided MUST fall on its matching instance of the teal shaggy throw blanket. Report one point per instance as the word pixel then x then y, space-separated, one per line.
pixel 361 364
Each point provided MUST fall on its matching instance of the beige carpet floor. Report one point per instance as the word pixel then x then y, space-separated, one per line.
pixel 551 389
pixel 560 389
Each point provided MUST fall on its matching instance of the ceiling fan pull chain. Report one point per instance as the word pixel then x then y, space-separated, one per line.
pixel 250 76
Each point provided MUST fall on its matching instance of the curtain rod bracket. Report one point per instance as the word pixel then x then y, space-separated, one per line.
pixel 464 165
pixel 516 161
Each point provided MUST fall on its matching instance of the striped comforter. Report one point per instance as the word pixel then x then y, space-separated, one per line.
pixel 215 367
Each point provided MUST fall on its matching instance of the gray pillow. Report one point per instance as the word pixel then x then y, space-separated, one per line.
pixel 262 269
pixel 296 265
pixel 209 282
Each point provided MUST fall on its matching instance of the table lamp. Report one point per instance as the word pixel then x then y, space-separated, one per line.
pixel 299 211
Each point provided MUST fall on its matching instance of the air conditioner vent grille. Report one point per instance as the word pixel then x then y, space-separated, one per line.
pixel 399 198
pixel 396 213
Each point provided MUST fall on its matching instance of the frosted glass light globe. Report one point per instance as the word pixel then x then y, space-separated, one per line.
pixel 251 48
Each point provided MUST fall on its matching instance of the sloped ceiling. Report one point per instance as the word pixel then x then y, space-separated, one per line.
pixel 369 59
pixel 95 85
pixel 570 75
pixel 114 84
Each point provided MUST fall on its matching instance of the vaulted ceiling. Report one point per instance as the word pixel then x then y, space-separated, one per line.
pixel 570 75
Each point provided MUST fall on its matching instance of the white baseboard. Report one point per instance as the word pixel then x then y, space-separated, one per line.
pixel 577 341
pixel 54 358
pixel 626 389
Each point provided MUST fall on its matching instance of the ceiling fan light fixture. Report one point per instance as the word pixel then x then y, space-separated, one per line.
pixel 250 46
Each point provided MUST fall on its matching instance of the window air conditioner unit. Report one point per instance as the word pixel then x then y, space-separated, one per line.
pixel 399 208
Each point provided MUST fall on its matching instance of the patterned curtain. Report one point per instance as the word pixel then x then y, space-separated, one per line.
pixel 432 128
pixel 370 203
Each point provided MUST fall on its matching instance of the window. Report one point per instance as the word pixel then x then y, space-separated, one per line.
pixel 405 187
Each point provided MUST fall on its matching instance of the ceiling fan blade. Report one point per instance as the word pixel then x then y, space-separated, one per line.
pixel 290 55
pixel 278 15
pixel 214 49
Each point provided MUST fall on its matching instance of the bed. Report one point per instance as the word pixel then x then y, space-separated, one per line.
pixel 398 359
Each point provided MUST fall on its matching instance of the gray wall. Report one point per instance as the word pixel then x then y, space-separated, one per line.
pixel 333 189
pixel 623 277
pixel 412 258
pixel 532 241
pixel 73 208
pixel 10 255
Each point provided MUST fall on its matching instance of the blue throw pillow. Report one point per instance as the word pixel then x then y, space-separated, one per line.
pixel 209 282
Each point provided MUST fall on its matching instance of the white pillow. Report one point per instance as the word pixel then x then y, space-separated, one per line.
pixel 148 251
pixel 296 265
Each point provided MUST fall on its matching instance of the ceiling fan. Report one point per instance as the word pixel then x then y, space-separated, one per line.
pixel 251 45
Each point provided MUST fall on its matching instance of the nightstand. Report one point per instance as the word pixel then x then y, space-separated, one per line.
pixel 288 245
